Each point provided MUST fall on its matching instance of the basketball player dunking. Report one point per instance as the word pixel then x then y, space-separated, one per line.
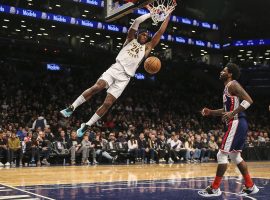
pixel 237 127
pixel 116 78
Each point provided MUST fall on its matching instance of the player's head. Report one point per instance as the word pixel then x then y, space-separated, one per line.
pixel 142 36
pixel 230 71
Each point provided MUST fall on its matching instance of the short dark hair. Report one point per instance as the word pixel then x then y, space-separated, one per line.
pixel 143 30
pixel 234 70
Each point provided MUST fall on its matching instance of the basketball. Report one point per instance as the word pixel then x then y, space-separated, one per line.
pixel 152 65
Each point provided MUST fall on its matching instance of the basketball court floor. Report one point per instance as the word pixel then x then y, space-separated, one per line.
pixel 163 181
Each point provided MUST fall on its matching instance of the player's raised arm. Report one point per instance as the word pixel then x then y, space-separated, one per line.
pixel 134 27
pixel 156 38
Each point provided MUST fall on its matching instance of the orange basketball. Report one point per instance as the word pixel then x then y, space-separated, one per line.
pixel 152 65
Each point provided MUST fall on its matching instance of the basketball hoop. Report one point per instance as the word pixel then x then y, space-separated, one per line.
pixel 160 9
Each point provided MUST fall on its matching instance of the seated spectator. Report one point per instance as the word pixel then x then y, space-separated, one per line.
pixel 163 149
pixel 177 149
pixel 142 147
pixel 204 149
pixel 198 147
pixel 133 148
pixel 153 149
pixel 111 147
pixel 100 150
pixel 44 148
pixel 73 145
pixel 15 149
pixel 48 134
pixel 213 148
pixel 32 151
pixel 85 149
pixel 189 146
pixel 4 152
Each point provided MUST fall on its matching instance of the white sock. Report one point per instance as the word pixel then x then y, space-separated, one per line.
pixel 79 101
pixel 93 120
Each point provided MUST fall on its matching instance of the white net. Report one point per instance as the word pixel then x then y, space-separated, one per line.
pixel 160 9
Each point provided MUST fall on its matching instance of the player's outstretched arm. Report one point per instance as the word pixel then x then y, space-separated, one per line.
pixel 209 112
pixel 134 27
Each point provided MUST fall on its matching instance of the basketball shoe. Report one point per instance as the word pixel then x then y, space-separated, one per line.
pixel 67 111
pixel 210 192
pixel 247 191
pixel 82 130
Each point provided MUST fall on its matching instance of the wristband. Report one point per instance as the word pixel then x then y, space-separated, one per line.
pixel 245 104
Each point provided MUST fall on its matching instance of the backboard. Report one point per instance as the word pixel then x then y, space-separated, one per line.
pixel 115 9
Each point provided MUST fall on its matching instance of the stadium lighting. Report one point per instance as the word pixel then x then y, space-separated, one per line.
pixel 18 30
pixel 241 50
pixel 266 54
pixel 53 26
pixel 4 26
pixel 164 48
pixel 174 27
pixel 107 36
pixel 249 52
pixel 118 38
pixel 251 57
pixel 267 58
pixel 87 36
pixel 39 34
pixel 29 30
pixel 193 31
pixel 22 21
pixel 260 57
pixel 98 33
pixel 226 56
pixel 86 11
pixel 83 15
pixel 92 41
pixel 57 5
pixel 23 26
pixel 6 20
pixel 239 56
pixel 42 29
pixel 45 33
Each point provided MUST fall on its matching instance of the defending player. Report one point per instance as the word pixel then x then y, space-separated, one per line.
pixel 235 136
pixel 115 79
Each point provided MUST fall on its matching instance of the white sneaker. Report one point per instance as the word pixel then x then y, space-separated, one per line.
pixel 247 191
pixel 170 161
pixel 7 164
pixel 1 164
pixel 210 192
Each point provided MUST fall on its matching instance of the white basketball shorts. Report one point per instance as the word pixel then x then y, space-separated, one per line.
pixel 116 79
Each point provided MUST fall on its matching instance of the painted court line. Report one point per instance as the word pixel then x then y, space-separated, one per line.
pixel 27 192
pixel 14 196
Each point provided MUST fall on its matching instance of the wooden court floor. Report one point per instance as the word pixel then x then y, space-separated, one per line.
pixel 27 176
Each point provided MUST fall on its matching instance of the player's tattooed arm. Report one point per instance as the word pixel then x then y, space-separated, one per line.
pixel 237 90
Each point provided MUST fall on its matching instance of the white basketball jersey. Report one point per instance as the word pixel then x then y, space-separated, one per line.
pixel 131 56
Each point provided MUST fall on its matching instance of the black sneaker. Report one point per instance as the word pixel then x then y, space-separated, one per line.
pixel 247 191
pixel 210 192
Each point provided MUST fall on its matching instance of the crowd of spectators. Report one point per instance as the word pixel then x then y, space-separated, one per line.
pixel 153 121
